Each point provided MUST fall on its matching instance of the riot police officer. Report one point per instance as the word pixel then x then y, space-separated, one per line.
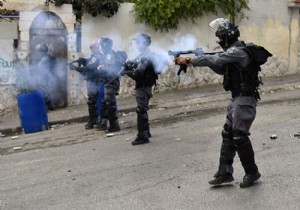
pixel 142 70
pixel 109 73
pixel 233 63
pixel 88 68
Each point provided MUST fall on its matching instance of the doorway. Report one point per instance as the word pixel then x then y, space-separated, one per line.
pixel 47 28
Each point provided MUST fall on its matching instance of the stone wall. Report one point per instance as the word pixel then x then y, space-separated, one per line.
pixel 271 23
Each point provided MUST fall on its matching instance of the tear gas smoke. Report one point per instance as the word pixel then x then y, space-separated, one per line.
pixel 161 62
pixel 39 76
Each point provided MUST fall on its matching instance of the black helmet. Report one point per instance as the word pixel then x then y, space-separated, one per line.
pixel 105 43
pixel 227 32
pixel 142 39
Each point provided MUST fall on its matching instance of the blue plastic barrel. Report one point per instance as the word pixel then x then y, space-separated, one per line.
pixel 32 112
pixel 100 97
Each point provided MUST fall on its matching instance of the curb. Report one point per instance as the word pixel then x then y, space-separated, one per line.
pixel 18 129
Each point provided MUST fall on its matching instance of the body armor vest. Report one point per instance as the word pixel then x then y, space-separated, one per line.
pixel 241 80
pixel 244 80
pixel 149 77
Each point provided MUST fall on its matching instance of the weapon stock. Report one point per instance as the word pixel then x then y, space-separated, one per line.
pixel 80 61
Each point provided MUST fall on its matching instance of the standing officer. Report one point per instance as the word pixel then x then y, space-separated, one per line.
pixel 233 63
pixel 142 70
pixel 88 68
pixel 109 73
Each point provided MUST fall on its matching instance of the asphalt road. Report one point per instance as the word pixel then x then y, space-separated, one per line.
pixel 68 167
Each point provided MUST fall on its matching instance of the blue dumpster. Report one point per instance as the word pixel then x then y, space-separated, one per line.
pixel 100 97
pixel 32 112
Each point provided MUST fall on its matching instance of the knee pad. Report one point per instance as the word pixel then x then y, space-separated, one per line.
pixel 140 111
pixel 105 102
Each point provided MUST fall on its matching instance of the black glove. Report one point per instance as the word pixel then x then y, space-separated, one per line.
pixel 129 68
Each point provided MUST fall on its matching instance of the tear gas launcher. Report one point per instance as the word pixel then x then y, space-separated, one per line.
pixel 80 61
pixel 196 52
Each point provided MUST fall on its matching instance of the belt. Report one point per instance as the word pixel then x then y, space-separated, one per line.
pixel 238 93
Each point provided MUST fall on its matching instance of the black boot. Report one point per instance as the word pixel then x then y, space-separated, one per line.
pixel 227 154
pixel 92 108
pixel 222 179
pixel 103 118
pixel 148 130
pixel 142 136
pixel 113 127
pixel 249 180
pixel 90 124
pixel 246 155
pixel 102 124
pixel 113 119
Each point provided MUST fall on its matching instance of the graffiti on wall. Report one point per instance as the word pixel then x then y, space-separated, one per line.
pixel 7 71
pixel 7 63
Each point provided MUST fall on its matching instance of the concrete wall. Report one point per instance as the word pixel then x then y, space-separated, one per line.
pixel 274 25
pixel 7 63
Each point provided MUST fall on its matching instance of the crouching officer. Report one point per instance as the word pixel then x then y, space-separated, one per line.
pixel 87 67
pixel 234 64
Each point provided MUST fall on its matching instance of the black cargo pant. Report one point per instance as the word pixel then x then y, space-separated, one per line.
pixel 109 109
pixel 92 92
pixel 143 96
pixel 241 113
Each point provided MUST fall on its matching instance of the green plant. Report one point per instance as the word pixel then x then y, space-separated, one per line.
pixel 165 14
pixel 234 9
pixel 1 2
pixel 106 8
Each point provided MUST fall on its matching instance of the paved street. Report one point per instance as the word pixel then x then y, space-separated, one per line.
pixel 68 167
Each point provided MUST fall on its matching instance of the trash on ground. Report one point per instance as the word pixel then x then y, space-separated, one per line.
pixel 273 136
pixel 17 148
pixel 109 134
pixel 2 135
pixel 296 135
pixel 14 137
pixel 128 139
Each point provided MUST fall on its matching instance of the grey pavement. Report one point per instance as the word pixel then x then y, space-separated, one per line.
pixel 10 123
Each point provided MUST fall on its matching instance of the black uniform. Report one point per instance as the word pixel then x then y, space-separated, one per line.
pixel 235 65
pixel 144 69
pixel 145 78
pixel 109 73
pixel 89 71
